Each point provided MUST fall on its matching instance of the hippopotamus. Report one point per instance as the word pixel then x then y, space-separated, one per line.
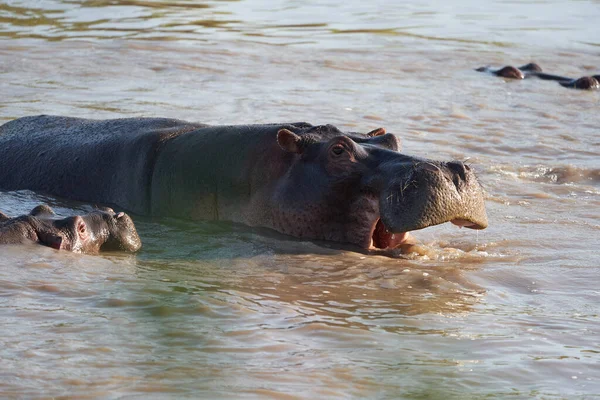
pixel 311 182
pixel 99 230
pixel 512 72
pixel 534 70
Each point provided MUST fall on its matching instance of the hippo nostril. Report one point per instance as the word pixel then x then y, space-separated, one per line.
pixel 459 171
pixel 429 167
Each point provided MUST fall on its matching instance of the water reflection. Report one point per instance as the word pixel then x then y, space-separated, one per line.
pixel 342 287
pixel 328 285
pixel 224 303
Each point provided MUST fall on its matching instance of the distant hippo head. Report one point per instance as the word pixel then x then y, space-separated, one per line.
pixel 360 189
pixel 584 83
pixel 99 230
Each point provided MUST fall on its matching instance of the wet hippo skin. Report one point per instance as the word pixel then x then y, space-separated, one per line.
pixel 311 182
pixel 99 230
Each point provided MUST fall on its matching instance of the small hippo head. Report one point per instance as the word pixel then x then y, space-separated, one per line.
pixel 359 189
pixel 510 72
pixel 584 83
pixel 531 67
pixel 100 230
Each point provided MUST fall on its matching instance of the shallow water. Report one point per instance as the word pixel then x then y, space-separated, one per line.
pixel 215 310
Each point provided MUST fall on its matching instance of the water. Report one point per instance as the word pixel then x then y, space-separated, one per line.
pixel 214 310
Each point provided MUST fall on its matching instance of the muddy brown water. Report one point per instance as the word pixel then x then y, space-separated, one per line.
pixel 215 310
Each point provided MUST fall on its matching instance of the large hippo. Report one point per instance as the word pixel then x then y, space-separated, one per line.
pixel 312 182
pixel 99 230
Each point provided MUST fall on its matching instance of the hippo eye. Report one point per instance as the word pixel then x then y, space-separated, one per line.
pixel 337 149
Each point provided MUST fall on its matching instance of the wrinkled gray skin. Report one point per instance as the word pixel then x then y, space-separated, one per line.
pixel 533 69
pixel 100 230
pixel 312 182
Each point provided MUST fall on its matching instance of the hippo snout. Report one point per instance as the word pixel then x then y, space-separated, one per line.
pixel 432 193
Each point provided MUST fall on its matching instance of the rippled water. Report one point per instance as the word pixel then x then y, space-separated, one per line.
pixel 215 310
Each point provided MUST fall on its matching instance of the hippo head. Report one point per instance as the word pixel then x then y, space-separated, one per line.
pixel 584 83
pixel 359 189
pixel 100 230
pixel 122 235
pixel 510 72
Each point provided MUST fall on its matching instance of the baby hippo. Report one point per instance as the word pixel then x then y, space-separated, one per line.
pixel 100 230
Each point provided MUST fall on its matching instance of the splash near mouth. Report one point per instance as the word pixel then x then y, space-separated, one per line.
pixel 382 238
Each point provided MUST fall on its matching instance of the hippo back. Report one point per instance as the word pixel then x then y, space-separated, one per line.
pixel 213 173
pixel 104 161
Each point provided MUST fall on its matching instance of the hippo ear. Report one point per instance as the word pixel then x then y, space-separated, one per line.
pixel 289 141
pixel 119 215
pixel 81 228
pixel 3 217
pixel 376 132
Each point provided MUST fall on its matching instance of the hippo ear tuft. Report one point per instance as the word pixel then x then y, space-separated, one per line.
pixel 289 141
pixel 376 132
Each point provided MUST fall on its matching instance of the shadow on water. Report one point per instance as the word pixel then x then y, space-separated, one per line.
pixel 341 286
pixel 183 258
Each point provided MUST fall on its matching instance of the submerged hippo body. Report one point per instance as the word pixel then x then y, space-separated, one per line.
pixel 583 83
pixel 97 231
pixel 313 182
pixel 534 70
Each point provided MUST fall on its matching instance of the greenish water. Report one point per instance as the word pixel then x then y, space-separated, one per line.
pixel 215 310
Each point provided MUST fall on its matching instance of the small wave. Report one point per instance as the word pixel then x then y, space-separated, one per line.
pixel 559 175
pixel 566 174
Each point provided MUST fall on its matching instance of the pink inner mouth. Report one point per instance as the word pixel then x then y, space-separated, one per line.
pixel 382 239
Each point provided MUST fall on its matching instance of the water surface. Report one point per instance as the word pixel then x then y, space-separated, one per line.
pixel 215 310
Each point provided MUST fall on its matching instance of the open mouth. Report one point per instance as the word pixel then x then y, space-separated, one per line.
pixel 384 239
pixel 381 238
